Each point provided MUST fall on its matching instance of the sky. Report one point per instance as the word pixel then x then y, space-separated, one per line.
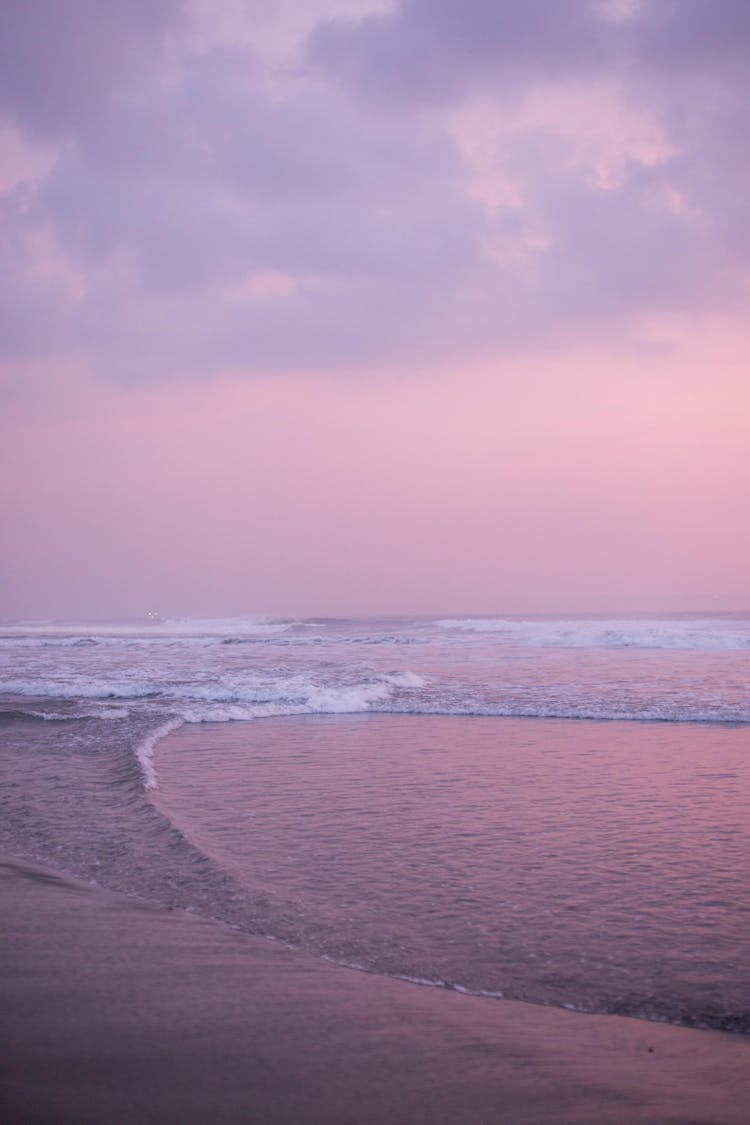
pixel 367 307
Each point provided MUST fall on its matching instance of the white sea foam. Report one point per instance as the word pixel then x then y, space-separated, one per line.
pixel 432 982
pixel 145 751
pixel 245 696
pixel 58 717
pixel 405 679
pixel 681 711
pixel 425 982
pixel 307 699
pixel 60 687
pixel 195 628
pixel 222 626
pixel 293 696
pixel 346 700
pixel 466 666
pixel 666 633
pixel 34 641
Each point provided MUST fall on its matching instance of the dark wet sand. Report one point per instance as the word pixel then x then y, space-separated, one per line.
pixel 115 1011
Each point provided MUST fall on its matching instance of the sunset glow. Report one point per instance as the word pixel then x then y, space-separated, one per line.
pixel 357 308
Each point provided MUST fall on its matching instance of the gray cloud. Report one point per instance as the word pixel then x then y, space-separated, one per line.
pixel 690 36
pixel 214 190
pixel 215 218
pixel 436 50
pixel 61 62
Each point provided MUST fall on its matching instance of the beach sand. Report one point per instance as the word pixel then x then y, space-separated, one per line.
pixel 117 1011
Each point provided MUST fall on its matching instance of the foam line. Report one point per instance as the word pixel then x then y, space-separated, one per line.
pixel 144 752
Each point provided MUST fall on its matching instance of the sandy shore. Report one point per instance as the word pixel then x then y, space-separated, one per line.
pixel 115 1011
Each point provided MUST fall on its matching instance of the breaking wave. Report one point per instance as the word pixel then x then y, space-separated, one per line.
pixel 702 635
pixel 170 628
pixel 144 751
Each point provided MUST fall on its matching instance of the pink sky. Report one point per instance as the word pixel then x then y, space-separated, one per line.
pixel 368 312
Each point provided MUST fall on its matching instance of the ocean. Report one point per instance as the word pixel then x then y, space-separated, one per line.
pixel 554 810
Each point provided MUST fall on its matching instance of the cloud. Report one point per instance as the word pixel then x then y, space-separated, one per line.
pixel 690 36
pixel 60 63
pixel 202 190
pixel 423 185
pixel 437 50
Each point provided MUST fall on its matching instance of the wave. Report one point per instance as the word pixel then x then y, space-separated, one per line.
pixel 361 702
pixel 144 751
pixel 699 634
pixel 170 628
pixel 274 636
pixel 10 714
pixel 591 712
pixel 241 696
pixel 220 627
pixel 246 696
pixel 14 642
pixel 687 633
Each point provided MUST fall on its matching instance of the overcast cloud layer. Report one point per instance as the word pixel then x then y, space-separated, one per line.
pixel 394 186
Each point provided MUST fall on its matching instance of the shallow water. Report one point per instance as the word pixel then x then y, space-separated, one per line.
pixel 600 865
pixel 387 807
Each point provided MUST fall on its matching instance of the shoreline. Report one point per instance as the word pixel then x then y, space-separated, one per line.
pixel 115 1010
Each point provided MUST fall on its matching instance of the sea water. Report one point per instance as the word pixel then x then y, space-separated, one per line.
pixel 547 809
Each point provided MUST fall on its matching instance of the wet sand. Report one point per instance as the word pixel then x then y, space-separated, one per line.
pixel 116 1011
